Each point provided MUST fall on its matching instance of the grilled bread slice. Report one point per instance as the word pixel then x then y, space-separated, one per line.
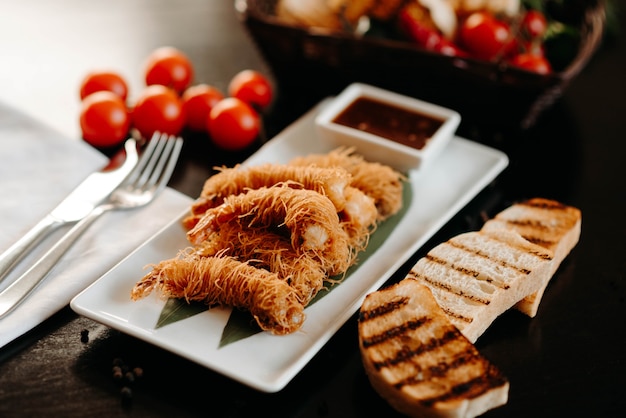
pixel 419 362
pixel 544 222
pixel 476 276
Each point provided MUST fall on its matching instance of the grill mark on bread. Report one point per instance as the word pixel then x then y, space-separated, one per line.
pixel 472 388
pixel 536 228
pixel 544 204
pixel 395 332
pixel 457 315
pixel 434 282
pixel 537 253
pixel 442 369
pixel 384 309
pixel 406 354
pixel 539 241
pixel 528 223
pixel 468 272
pixel 486 256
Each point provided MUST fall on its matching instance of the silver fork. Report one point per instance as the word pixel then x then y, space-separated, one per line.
pixel 142 185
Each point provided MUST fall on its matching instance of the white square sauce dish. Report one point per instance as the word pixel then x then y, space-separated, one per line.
pixel 393 129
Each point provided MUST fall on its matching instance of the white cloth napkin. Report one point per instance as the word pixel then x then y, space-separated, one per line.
pixel 38 168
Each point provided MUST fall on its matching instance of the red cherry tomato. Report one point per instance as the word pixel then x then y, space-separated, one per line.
pixel 103 81
pixel 198 101
pixel 252 87
pixel 104 119
pixel 410 21
pixel 534 24
pixel 532 62
pixel 484 36
pixel 425 35
pixel 169 67
pixel 158 108
pixel 233 124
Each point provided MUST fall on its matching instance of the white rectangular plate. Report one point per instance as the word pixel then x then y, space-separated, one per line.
pixel 264 361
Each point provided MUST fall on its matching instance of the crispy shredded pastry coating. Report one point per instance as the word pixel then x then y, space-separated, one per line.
pixel 236 180
pixel 381 182
pixel 310 217
pixel 267 249
pixel 223 280
pixel 268 238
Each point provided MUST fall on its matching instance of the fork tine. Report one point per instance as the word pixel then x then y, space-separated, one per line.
pixel 157 151
pixel 171 163
pixel 152 176
pixel 151 169
pixel 169 156
pixel 145 158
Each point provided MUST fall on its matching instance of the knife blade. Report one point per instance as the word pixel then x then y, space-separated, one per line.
pixel 94 189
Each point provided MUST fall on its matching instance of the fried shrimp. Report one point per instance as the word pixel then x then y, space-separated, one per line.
pixel 381 182
pixel 232 181
pixel 269 238
pixel 359 217
pixel 223 280
pixel 310 217
pixel 271 251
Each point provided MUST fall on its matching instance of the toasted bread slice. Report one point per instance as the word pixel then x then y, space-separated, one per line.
pixel 476 276
pixel 419 362
pixel 547 223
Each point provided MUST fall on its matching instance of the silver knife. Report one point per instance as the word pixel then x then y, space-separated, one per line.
pixel 95 188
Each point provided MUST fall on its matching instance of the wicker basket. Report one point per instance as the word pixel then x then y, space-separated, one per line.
pixel 323 63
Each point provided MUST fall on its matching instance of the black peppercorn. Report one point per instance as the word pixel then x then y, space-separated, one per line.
pixel 130 377
pixel 117 373
pixel 138 371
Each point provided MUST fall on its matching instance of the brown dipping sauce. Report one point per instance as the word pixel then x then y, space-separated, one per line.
pixel 392 122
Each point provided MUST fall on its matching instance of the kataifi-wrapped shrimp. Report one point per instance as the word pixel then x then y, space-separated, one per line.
pixel 381 182
pixel 310 218
pixel 225 281
pixel 359 217
pixel 266 249
pixel 330 181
